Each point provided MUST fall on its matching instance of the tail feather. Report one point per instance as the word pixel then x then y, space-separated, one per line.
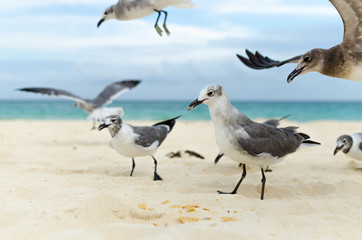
pixel 305 136
pixel 170 123
pixel 311 142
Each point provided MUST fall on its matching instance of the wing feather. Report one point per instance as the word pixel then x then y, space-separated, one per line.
pixel 351 14
pixel 112 91
pixel 54 92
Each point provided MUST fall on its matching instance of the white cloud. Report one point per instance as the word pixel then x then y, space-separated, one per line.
pixel 26 4
pixel 273 7
pixel 64 34
pixel 66 48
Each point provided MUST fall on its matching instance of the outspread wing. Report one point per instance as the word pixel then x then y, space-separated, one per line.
pixel 351 14
pixel 258 61
pixel 54 92
pixel 112 91
pixel 264 138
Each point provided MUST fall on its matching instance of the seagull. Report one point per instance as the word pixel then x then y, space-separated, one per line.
pixel 244 140
pixel 273 122
pixel 341 61
pixel 94 107
pixel 351 145
pixel 133 9
pixel 136 141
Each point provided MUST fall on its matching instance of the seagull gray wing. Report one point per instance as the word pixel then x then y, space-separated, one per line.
pixel 148 135
pixel 112 91
pixel 158 132
pixel 267 139
pixel 54 92
pixel 258 61
pixel 351 14
pixel 275 121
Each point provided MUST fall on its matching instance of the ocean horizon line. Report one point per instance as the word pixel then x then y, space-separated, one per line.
pixel 187 100
pixel 157 110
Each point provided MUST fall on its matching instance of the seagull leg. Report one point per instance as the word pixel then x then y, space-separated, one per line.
pixel 133 166
pixel 158 29
pixel 94 125
pixel 218 157
pixel 164 23
pixel 156 177
pixel 237 185
pixel 263 180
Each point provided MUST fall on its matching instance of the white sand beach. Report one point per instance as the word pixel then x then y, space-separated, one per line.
pixel 60 180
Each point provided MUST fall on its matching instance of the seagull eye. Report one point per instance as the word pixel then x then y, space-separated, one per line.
pixel 307 59
pixel 108 11
pixel 210 93
pixel 344 140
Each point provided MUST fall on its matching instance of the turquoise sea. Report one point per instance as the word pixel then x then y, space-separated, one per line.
pixel 158 110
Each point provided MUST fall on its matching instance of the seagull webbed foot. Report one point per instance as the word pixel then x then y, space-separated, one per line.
pixel 166 30
pixel 156 177
pixel 159 30
pixel 221 192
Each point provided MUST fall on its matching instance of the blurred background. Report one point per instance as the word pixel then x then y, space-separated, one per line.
pixel 57 44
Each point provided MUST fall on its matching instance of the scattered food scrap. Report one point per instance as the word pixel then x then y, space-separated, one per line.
pixel 143 206
pixel 228 219
pixel 194 154
pixel 174 154
pixel 188 219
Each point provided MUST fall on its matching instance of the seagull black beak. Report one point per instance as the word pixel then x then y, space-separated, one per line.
pixel 102 126
pixel 100 22
pixel 337 149
pixel 293 74
pixel 194 104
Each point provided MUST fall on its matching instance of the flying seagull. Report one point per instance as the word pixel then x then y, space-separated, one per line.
pixel 133 9
pixel 94 107
pixel 244 140
pixel 351 145
pixel 136 141
pixel 341 61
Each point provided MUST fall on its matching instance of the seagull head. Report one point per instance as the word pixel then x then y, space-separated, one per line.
pixel 112 122
pixel 344 143
pixel 209 95
pixel 311 61
pixel 108 14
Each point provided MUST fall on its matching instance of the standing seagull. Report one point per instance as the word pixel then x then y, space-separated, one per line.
pixel 95 107
pixel 273 122
pixel 133 9
pixel 341 61
pixel 131 141
pixel 351 145
pixel 244 140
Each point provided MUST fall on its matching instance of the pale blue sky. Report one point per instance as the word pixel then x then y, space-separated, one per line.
pixel 55 43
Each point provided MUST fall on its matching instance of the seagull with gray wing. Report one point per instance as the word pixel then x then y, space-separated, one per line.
pixel 94 107
pixel 351 145
pixel 273 122
pixel 341 61
pixel 133 9
pixel 244 140
pixel 136 141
